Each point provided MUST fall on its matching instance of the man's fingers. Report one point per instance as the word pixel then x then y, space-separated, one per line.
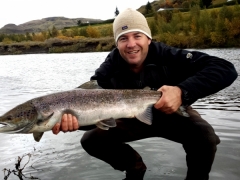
pixel 70 122
pixel 160 103
pixel 64 124
pixel 56 128
pixel 75 123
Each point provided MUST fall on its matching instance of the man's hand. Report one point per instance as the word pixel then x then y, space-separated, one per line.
pixel 68 123
pixel 171 99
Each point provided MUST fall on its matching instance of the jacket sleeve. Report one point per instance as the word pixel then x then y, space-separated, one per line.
pixel 104 72
pixel 198 74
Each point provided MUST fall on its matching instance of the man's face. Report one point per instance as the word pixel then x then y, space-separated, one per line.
pixel 133 47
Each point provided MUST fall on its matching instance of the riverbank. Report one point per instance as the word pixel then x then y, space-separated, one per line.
pixel 197 28
pixel 56 45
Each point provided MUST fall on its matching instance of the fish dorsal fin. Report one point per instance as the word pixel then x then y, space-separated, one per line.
pixel 37 136
pixel 101 126
pixel 108 122
pixel 147 88
pixel 146 116
pixel 90 85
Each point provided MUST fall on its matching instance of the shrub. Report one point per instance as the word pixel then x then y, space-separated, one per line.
pixel 6 40
pixel 92 32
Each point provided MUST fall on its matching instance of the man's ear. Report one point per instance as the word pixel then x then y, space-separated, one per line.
pixel 149 41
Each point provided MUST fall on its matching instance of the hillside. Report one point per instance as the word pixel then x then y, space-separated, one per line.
pixel 44 24
pixel 60 22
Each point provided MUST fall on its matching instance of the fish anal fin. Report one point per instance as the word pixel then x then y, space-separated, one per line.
pixel 108 122
pixel 37 136
pixel 146 116
pixel 101 126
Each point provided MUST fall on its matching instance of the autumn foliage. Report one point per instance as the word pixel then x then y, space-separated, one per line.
pixel 201 28
pixel 218 27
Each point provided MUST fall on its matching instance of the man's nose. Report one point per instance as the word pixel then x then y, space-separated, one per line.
pixel 131 42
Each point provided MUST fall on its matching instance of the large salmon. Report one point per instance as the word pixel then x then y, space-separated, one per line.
pixel 90 106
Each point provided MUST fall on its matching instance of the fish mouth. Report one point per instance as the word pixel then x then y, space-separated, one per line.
pixel 8 128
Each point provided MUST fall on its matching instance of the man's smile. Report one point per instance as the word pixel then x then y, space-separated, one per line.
pixel 133 52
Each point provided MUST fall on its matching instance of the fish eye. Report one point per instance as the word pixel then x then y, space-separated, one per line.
pixel 9 118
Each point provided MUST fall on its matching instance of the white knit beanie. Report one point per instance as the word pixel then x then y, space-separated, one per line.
pixel 128 21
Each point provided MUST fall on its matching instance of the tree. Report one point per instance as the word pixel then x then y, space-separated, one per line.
pixel 28 36
pixel 186 5
pixel 83 32
pixel 44 34
pixel 116 12
pixel 64 32
pixel 79 22
pixel 206 3
pixel 168 4
pixel 2 36
pixel 54 32
pixel 92 32
pixel 148 8
pixel 75 31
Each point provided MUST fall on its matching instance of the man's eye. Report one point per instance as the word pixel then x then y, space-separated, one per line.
pixel 122 39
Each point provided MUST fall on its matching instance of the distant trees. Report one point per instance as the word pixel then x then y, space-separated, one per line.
pixel 92 32
pixel 2 36
pixel 186 5
pixel 168 4
pixel 148 8
pixel 206 3
pixel 79 22
pixel 116 12
pixel 219 27
pixel 28 36
pixel 54 32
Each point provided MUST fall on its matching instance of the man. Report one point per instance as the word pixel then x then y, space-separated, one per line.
pixel 181 75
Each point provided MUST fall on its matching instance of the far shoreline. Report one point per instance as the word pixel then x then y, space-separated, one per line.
pixel 56 45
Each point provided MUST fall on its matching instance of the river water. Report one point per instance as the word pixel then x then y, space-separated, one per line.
pixel 61 156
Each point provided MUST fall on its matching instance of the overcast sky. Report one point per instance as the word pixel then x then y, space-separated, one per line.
pixel 21 11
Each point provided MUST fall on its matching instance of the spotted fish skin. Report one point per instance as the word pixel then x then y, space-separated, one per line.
pixel 91 106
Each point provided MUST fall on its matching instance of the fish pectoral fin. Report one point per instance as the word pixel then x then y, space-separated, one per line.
pixel 101 126
pixel 43 118
pixel 108 122
pixel 37 136
pixel 46 116
pixel 182 111
pixel 146 116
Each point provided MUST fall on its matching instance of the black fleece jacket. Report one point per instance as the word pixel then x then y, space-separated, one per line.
pixel 196 73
